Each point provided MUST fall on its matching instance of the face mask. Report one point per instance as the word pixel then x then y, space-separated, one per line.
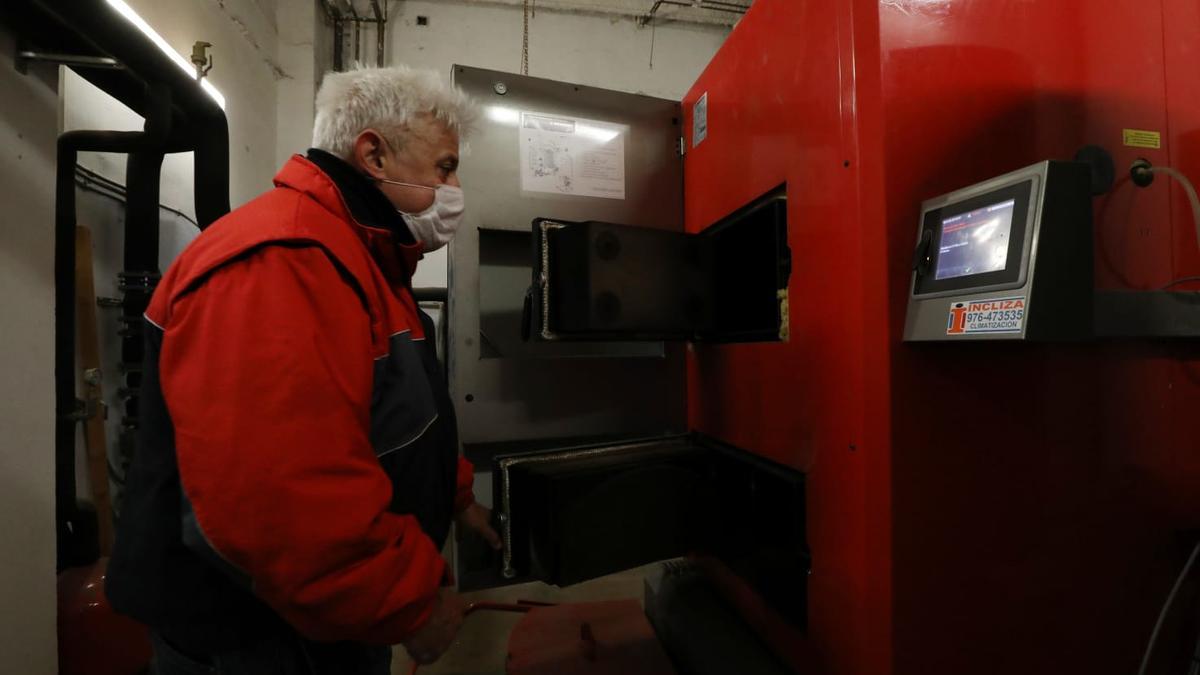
pixel 435 226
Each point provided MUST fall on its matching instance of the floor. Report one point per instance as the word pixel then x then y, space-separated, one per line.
pixel 481 647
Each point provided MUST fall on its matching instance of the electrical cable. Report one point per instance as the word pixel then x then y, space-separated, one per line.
pixel 105 187
pixel 1162 615
pixel 1180 280
pixel 1143 174
pixel 1189 189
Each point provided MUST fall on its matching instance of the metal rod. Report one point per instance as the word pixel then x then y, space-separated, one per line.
pixel 73 60
pixel 331 12
pixel 713 5
pixel 337 45
pixel 357 31
pixel 430 294
pixel 708 4
pixel 380 26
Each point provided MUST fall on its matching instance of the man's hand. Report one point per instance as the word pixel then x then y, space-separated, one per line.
pixel 433 639
pixel 477 519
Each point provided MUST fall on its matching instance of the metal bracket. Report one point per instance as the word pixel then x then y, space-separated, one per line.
pixel 87 409
pixel 137 282
pixel 25 56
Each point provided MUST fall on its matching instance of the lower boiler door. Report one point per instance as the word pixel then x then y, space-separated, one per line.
pixel 572 514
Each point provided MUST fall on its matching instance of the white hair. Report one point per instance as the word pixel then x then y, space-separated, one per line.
pixel 387 100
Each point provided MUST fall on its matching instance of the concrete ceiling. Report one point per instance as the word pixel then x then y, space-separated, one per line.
pixel 694 12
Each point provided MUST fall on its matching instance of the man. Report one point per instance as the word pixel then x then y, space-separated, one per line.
pixel 298 469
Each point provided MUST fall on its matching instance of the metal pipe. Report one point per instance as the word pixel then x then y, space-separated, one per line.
pixel 210 183
pixel 713 5
pixel 73 60
pixel 338 57
pixel 430 294
pixel 188 118
pixel 737 7
pixel 356 19
pixel 380 25
pixel 143 174
pixel 200 122
pixel 67 516
pixel 330 11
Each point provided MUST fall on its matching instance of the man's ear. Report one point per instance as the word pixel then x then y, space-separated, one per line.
pixel 369 154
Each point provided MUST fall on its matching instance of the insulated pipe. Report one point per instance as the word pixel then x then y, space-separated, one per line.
pixel 94 27
pixel 69 146
pixel 204 127
pixel 142 148
pixel 211 171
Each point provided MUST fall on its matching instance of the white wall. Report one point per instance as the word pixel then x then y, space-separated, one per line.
pixel 35 111
pixel 305 52
pixel 246 70
pixel 593 49
pixel 27 555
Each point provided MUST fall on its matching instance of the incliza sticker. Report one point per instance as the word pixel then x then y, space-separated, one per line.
pixel 992 315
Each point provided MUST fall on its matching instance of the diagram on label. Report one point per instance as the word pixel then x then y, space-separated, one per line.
pixel 548 159
pixel 570 156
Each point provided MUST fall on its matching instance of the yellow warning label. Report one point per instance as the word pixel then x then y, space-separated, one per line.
pixel 1140 138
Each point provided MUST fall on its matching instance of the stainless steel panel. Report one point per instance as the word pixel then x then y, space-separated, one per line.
pixel 532 391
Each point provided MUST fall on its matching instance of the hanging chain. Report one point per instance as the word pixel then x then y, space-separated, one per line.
pixel 525 42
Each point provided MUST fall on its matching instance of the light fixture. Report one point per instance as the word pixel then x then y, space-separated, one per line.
pixel 132 16
pixel 503 115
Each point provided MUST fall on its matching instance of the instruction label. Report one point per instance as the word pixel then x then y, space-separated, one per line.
pixel 993 315
pixel 572 156
pixel 1141 138
pixel 700 120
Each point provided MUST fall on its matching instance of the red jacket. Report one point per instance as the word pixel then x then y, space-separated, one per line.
pixel 310 429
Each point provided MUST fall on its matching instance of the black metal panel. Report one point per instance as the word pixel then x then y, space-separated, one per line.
pixel 1060 298
pixel 603 281
pixel 569 515
pixel 1147 314
pixel 584 518
pixel 628 282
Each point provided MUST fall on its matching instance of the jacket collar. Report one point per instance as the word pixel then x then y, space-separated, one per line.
pixel 342 191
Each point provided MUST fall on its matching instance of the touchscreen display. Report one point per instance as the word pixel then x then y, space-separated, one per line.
pixel 975 242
